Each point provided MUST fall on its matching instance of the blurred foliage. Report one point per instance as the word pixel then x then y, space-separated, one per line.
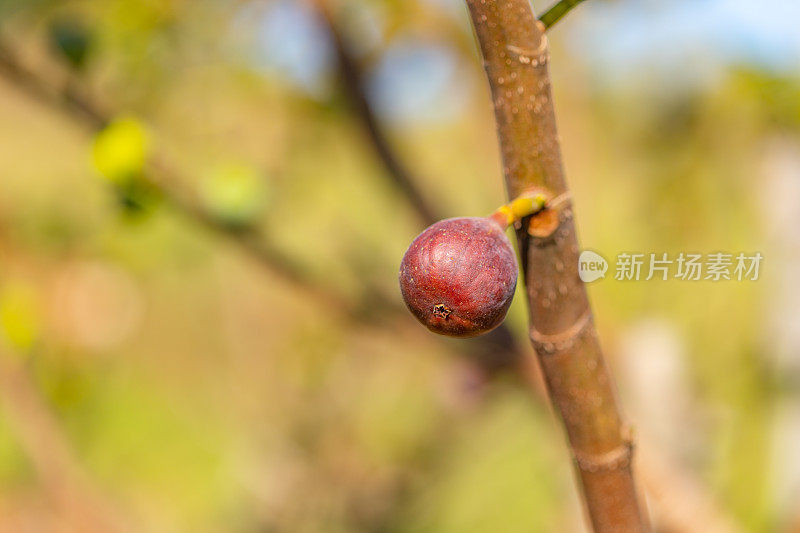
pixel 20 316
pixel 203 395
pixel 71 39
pixel 235 193
pixel 120 150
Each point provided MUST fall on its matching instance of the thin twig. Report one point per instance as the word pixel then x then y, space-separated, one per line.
pixel 516 57
pixel 163 175
pixel 493 353
pixel 71 102
pixel 354 85
pixel 557 12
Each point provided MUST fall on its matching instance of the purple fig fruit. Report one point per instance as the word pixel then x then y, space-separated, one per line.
pixel 459 275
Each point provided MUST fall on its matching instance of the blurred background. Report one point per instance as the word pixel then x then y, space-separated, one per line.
pixel 203 206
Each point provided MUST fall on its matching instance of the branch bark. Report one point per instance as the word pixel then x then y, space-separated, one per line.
pixel 516 57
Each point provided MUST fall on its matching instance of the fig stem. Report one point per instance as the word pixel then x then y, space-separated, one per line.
pixel 519 208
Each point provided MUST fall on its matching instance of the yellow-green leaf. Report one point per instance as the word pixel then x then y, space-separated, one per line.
pixel 121 149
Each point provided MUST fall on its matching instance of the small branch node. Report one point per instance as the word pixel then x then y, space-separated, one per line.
pixel 551 343
pixel 545 223
pixel 619 457
pixel 539 56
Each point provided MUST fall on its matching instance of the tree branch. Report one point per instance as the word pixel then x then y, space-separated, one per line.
pixel 516 57
pixel 557 12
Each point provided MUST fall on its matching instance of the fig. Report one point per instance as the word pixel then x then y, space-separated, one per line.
pixel 459 275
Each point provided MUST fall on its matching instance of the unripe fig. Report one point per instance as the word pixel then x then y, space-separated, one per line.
pixel 459 275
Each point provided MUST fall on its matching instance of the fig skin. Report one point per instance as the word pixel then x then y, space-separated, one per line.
pixel 459 275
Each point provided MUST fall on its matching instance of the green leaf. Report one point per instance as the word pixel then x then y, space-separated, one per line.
pixel 235 193
pixel 120 151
